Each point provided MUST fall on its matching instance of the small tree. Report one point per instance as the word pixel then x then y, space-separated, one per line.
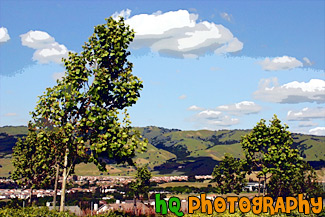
pixel 141 185
pixel 32 159
pixel 229 175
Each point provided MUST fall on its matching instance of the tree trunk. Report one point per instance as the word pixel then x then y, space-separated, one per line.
pixel 259 186
pixel 149 198
pixel 135 205
pixel 30 196
pixel 264 187
pixel 64 181
pixel 56 186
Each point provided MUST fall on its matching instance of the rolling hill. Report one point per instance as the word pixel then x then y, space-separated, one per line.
pixel 175 152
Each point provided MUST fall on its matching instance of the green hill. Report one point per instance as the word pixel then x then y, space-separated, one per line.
pixel 175 152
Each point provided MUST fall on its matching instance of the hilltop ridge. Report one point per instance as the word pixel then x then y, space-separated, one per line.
pixel 176 152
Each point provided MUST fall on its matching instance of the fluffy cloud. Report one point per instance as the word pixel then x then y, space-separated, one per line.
pixel 306 114
pixel 293 92
pixel 212 119
pixel 241 108
pixel 222 115
pixel 210 114
pixel 4 36
pixel 179 34
pixel 280 63
pixel 124 13
pixel 319 131
pixel 195 108
pixel 47 50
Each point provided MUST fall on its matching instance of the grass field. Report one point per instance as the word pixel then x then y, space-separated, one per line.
pixel 190 184
pixel 6 166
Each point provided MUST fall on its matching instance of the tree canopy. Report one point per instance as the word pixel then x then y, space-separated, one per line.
pixel 88 105
pixel 229 175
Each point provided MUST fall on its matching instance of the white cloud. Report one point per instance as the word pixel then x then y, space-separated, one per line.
pixel 306 114
pixel 241 108
pixel 124 13
pixel 4 36
pixel 216 119
pixel 58 75
pixel 293 92
pixel 224 121
pixel 213 119
pixel 195 108
pixel 47 50
pixel 179 34
pixel 36 39
pixel 226 16
pixel 280 63
pixel 319 131
pixel 210 114
pixel 182 96
pixel 307 62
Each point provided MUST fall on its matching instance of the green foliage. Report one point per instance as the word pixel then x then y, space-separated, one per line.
pixel 32 159
pixel 40 212
pixel 86 103
pixel 142 181
pixel 268 150
pixel 32 212
pixel 229 175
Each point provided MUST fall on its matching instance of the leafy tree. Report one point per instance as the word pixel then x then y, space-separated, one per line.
pixel 32 159
pixel 143 177
pixel 85 105
pixel 141 184
pixel 268 150
pixel 229 175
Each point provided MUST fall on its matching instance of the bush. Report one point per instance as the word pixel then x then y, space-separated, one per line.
pixel 32 212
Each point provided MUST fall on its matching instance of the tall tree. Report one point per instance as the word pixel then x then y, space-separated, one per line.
pixel 86 103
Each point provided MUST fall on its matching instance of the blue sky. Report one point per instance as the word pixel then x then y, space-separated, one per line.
pixel 205 64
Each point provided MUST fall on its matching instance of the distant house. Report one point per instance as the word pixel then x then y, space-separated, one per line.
pixel 252 186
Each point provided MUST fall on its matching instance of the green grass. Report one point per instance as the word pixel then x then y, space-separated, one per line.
pixel 205 148
pixel 11 130
pixel 6 166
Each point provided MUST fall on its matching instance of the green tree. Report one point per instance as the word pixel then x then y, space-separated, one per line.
pixel 229 175
pixel 86 104
pixel 268 150
pixel 32 160
pixel 141 185
pixel 143 177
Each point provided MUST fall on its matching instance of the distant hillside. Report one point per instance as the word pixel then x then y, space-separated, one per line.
pixel 172 151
